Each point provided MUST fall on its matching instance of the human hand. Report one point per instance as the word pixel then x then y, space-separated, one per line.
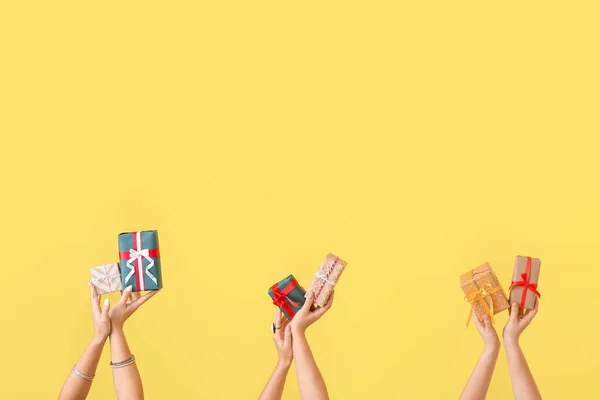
pixel 99 316
pixel 516 324
pixel 283 339
pixel 305 317
pixel 125 306
pixel 486 329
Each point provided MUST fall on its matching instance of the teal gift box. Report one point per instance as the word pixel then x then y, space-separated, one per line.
pixel 140 260
pixel 288 295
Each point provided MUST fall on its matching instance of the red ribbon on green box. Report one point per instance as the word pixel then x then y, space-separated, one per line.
pixel 281 299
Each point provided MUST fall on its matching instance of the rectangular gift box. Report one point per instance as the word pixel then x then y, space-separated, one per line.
pixel 140 260
pixel 106 278
pixel 483 290
pixel 526 275
pixel 288 295
pixel 326 278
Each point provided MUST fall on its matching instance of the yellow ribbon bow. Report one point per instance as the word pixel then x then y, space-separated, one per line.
pixel 480 295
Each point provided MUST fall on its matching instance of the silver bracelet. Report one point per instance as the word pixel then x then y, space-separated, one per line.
pixel 122 364
pixel 83 376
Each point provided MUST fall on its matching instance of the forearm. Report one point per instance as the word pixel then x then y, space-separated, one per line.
pixel 128 383
pixel 75 387
pixel 478 384
pixel 274 388
pixel 524 387
pixel 311 383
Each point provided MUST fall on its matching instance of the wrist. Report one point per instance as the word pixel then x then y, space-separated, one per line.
pixel 512 343
pixel 99 339
pixel 116 329
pixel 491 350
pixel 284 363
pixel 296 330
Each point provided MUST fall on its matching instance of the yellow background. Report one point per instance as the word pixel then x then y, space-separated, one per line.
pixel 416 140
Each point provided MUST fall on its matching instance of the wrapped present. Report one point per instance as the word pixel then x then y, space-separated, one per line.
pixel 140 260
pixel 483 290
pixel 326 278
pixel 288 295
pixel 106 278
pixel 523 289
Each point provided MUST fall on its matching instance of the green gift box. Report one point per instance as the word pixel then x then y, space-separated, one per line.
pixel 288 295
pixel 140 260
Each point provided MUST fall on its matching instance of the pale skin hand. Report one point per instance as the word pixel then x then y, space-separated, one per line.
pixel 311 383
pixel 76 388
pixel 283 342
pixel 479 382
pixel 127 380
pixel 524 387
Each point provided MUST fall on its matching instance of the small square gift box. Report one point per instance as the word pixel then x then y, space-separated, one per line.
pixel 326 278
pixel 288 295
pixel 523 289
pixel 106 278
pixel 482 289
pixel 140 260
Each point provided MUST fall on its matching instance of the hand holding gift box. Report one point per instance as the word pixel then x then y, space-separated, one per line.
pixel 326 278
pixel 140 260
pixel 523 289
pixel 483 290
pixel 106 278
pixel 288 295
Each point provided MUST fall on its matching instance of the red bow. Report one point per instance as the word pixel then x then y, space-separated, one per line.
pixel 280 298
pixel 526 285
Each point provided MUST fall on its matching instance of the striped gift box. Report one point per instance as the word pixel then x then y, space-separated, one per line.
pixel 106 278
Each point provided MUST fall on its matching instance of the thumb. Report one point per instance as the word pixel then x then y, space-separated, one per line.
pixel 309 301
pixel 514 312
pixel 105 309
pixel 126 295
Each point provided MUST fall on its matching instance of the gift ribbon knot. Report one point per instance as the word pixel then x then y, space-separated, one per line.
pixel 330 266
pixel 105 277
pixel 324 278
pixel 281 299
pixel 479 295
pixel 140 254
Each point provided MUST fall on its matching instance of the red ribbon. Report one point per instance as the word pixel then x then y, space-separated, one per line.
pixel 280 298
pixel 525 283
pixel 152 253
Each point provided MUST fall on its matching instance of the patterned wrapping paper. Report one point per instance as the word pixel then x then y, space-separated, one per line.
pixel 288 295
pixel 526 275
pixel 483 290
pixel 140 260
pixel 106 278
pixel 326 278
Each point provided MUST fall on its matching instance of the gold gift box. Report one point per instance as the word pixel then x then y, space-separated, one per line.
pixel 483 290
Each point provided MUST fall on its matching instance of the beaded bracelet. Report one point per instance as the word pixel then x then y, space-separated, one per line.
pixel 82 376
pixel 122 364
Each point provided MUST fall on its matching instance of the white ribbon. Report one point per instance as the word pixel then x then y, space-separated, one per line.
pixel 100 280
pixel 324 278
pixel 106 277
pixel 138 254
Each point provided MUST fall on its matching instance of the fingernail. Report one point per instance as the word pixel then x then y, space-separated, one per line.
pixel 130 288
pixel 106 302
